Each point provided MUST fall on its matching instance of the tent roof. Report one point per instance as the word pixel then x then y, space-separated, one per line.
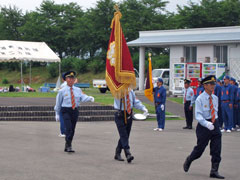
pixel 11 51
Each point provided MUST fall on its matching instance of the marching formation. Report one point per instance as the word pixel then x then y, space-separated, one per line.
pixel 228 94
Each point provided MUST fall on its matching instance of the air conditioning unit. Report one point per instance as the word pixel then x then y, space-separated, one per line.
pixel 207 60
pixel 215 59
pixel 182 59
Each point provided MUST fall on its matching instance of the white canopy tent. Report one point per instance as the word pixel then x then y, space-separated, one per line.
pixel 19 51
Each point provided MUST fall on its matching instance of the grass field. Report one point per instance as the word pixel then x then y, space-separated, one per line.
pixel 176 99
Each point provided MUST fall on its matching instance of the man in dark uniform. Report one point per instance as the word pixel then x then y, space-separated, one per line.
pixel 217 92
pixel 188 100
pixel 235 102
pixel 67 101
pixel 206 107
pixel 200 88
pixel 160 100
pixel 124 125
pixel 227 105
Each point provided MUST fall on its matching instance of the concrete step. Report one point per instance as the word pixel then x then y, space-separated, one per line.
pixel 52 118
pixel 51 108
pixel 47 113
pixel 52 113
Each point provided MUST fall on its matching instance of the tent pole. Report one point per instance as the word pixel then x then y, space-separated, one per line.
pixel 21 76
pixel 60 69
pixel 30 75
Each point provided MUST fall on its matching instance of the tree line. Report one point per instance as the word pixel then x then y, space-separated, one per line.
pixel 74 33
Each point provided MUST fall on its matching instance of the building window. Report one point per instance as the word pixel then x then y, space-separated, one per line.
pixel 190 52
pixel 221 54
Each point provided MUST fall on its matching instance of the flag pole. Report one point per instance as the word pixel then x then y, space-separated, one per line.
pixel 125 114
pixel 150 59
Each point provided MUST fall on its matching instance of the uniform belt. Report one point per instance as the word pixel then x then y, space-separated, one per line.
pixel 211 120
pixel 187 101
pixel 70 108
pixel 226 101
pixel 123 112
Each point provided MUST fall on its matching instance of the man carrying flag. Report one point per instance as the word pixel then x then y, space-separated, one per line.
pixel 120 78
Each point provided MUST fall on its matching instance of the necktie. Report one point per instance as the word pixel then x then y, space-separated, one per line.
pixel 72 99
pixel 212 110
pixel 128 105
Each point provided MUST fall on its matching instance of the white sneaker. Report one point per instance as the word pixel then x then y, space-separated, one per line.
pixel 238 130
pixel 228 131
pixel 160 129
pixel 223 130
pixel 233 129
pixel 62 135
pixel 155 129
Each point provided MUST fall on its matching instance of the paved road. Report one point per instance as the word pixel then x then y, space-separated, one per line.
pixel 33 151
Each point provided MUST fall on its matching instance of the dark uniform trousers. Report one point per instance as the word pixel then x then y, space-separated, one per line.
pixel 123 129
pixel 70 118
pixel 188 113
pixel 205 135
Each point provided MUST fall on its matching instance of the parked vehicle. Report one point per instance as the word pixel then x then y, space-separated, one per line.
pixel 102 85
pixel 161 73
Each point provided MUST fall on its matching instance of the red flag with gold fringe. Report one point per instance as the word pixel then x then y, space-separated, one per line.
pixel 120 75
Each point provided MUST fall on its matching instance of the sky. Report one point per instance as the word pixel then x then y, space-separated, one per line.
pixel 30 5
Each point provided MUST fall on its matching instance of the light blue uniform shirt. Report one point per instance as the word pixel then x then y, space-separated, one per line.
pixel 189 95
pixel 63 98
pixel 202 108
pixel 136 103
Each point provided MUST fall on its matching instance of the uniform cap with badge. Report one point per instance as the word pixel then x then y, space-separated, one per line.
pixel 160 80
pixel 227 77
pixel 187 81
pixel 209 80
pixel 69 74
pixel 232 79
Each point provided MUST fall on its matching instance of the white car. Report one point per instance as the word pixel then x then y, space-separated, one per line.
pixel 102 85
pixel 161 73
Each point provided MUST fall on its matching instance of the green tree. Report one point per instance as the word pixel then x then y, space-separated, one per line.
pixel 209 13
pixel 11 19
pixel 53 23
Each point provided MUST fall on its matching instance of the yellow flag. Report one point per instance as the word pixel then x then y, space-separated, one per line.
pixel 149 85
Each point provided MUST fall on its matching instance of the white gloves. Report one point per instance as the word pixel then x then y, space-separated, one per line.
pixel 210 126
pixel 91 99
pixel 57 117
pixel 145 112
pixel 162 107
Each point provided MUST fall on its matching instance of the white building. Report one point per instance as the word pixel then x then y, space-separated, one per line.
pixel 221 44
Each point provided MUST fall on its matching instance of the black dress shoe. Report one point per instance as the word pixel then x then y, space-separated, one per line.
pixel 118 157
pixel 185 127
pixel 189 127
pixel 216 175
pixel 69 149
pixel 129 158
pixel 128 155
pixel 187 164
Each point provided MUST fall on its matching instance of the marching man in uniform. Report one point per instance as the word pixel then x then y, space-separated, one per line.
pixel 188 100
pixel 206 113
pixel 67 101
pixel 124 126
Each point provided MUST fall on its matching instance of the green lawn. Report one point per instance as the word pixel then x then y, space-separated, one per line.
pixel 176 99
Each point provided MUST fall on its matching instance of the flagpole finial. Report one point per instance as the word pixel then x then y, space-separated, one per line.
pixel 116 7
